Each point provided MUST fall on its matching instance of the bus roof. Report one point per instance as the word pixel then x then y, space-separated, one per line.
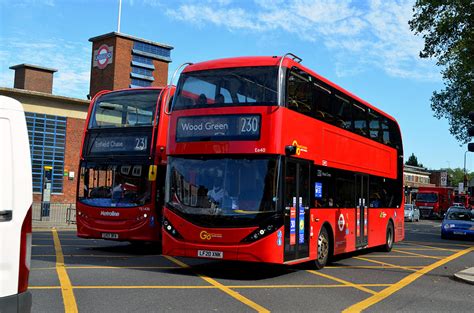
pixel 273 61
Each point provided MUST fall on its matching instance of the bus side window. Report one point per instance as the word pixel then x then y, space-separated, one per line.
pixel 299 92
pixel 342 109
pixel 374 125
pixel 322 109
pixel 385 132
pixel 359 119
pixel 395 136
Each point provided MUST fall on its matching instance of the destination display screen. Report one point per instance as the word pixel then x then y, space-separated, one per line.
pixel 123 143
pixel 218 127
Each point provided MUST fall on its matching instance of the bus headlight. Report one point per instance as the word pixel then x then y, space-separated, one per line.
pixel 170 229
pixel 260 233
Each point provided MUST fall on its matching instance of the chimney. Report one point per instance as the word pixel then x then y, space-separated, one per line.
pixel 33 77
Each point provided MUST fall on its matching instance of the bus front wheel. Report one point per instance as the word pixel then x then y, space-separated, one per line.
pixel 323 249
pixel 387 247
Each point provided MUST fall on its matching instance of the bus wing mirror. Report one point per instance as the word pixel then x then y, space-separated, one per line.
pixel 168 104
pixel 152 172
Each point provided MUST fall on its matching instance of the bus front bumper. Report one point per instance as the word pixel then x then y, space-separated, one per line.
pixel 264 250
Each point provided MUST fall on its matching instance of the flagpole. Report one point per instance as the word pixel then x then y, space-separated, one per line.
pixel 119 14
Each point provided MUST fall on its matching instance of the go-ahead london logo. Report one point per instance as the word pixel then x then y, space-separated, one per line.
pixel 103 56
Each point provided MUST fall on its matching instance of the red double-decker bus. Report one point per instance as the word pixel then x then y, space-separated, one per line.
pixel 270 162
pixel 123 166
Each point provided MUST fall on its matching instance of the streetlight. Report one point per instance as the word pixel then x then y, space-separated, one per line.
pixel 465 174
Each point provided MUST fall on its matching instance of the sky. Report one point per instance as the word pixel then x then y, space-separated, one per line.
pixel 365 47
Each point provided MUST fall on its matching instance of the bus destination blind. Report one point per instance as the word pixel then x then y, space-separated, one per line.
pixel 124 143
pixel 218 127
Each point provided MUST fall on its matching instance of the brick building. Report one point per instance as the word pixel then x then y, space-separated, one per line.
pixel 55 127
pixel 56 123
pixel 413 178
pixel 122 61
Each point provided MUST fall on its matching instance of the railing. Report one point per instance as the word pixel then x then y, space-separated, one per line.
pixel 60 213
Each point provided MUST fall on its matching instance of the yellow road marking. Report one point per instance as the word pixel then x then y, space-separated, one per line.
pixel 306 286
pixel 223 288
pixel 96 255
pixel 106 267
pixel 214 287
pixel 358 307
pixel 392 256
pixel 387 264
pixel 419 255
pixel 428 244
pixel 427 249
pixel 342 281
pixel 367 266
pixel 144 287
pixel 69 300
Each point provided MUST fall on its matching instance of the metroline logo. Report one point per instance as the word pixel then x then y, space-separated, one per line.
pixel 109 213
pixel 103 56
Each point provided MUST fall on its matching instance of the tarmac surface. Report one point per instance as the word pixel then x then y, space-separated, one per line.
pixel 71 274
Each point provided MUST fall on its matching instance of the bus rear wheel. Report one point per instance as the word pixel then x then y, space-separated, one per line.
pixel 323 249
pixel 387 247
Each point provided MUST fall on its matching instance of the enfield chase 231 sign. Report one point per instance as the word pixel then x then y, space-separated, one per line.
pixel 103 56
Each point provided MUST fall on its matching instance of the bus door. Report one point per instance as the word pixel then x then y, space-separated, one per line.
pixel 296 208
pixel 362 203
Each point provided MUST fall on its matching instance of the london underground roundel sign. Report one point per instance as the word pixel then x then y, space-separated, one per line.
pixel 103 56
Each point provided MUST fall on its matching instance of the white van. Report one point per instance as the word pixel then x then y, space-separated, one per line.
pixel 16 198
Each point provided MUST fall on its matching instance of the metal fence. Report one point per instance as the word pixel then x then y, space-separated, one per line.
pixel 60 213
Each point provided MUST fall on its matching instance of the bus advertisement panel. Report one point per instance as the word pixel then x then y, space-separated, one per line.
pixel 123 166
pixel 270 162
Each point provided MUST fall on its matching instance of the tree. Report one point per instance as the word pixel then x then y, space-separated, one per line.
pixel 413 161
pixel 448 30
pixel 457 176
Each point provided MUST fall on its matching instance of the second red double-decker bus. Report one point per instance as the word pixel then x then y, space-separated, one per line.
pixel 123 166
pixel 270 162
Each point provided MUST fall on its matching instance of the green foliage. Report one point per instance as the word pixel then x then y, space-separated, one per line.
pixel 413 161
pixel 448 30
pixel 456 176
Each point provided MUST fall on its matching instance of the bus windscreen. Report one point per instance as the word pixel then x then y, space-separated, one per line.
pixel 125 109
pixel 223 188
pixel 227 87
pixel 114 185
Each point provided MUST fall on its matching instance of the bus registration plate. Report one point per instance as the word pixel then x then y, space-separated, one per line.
pixel 210 254
pixel 110 236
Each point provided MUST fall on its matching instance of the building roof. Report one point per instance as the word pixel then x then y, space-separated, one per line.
pixel 415 170
pixel 36 67
pixel 24 92
pixel 115 34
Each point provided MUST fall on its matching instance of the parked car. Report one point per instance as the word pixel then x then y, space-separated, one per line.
pixel 412 213
pixel 458 223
